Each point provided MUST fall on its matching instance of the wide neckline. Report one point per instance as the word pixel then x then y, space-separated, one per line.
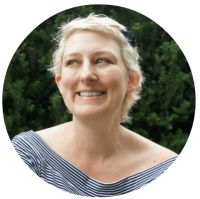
pixel 77 172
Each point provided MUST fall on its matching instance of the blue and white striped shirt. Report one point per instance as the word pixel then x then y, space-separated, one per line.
pixel 55 170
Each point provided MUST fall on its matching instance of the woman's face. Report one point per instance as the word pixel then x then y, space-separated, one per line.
pixel 94 79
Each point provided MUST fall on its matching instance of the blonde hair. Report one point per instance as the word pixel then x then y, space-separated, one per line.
pixel 112 28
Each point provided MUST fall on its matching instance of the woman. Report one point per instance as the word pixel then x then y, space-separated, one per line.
pixel 97 73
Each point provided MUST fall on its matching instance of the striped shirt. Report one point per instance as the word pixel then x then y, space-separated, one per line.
pixel 51 167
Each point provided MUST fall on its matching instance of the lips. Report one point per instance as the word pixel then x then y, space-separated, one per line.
pixel 91 93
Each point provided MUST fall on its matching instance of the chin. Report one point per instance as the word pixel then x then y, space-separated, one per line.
pixel 90 112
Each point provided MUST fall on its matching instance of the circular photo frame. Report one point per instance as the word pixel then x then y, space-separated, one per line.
pixel 165 112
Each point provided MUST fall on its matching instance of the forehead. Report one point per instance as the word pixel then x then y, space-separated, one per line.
pixel 91 41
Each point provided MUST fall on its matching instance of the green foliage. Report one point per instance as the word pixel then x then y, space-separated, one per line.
pixel 164 113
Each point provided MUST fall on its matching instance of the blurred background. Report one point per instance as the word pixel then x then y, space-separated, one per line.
pixel 165 111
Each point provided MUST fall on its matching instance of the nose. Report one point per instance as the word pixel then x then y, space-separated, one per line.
pixel 88 73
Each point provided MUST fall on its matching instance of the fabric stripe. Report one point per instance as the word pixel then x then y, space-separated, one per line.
pixel 55 170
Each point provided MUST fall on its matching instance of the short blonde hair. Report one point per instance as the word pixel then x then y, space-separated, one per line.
pixel 112 28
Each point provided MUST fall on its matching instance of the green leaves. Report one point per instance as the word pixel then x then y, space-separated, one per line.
pixel 164 113
pixel 166 108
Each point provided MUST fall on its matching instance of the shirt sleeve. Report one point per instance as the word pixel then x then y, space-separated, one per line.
pixel 26 151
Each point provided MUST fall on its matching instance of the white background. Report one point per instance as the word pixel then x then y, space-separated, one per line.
pixel 178 18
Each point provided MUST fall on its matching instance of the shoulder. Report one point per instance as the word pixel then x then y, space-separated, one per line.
pixel 52 131
pixel 25 144
pixel 22 139
pixel 149 152
pixel 55 136
pixel 160 153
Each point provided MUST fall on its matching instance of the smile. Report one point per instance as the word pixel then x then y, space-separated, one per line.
pixel 91 93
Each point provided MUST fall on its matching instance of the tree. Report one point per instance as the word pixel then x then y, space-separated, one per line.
pixel 164 113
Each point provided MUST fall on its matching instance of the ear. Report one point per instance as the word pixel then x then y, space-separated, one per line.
pixel 58 81
pixel 134 79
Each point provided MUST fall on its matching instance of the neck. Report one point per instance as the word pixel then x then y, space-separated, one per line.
pixel 96 139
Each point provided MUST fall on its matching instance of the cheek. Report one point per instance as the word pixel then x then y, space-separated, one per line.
pixel 117 79
pixel 66 90
pixel 66 84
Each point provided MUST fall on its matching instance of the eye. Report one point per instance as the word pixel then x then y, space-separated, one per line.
pixel 71 62
pixel 103 60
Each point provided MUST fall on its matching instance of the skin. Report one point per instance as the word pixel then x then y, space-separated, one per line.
pixel 99 67
pixel 94 141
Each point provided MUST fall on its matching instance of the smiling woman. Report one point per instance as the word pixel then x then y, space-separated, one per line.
pixel 98 75
pixel 94 80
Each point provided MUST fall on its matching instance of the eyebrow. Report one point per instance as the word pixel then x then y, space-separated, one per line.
pixel 71 54
pixel 103 52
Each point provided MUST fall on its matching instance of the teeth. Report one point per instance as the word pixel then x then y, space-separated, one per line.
pixel 91 94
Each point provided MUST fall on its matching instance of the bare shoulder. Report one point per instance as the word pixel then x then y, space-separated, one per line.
pixel 48 132
pixel 159 152
pixel 150 152
pixel 54 135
